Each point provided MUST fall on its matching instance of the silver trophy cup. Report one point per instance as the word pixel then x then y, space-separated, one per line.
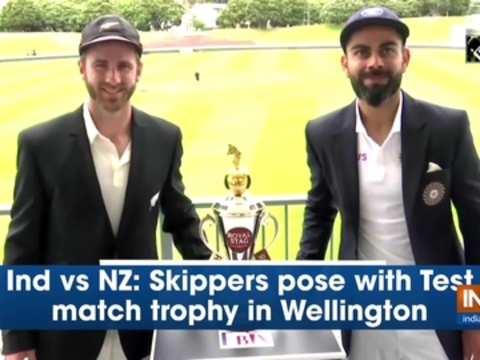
pixel 239 222
pixel 240 217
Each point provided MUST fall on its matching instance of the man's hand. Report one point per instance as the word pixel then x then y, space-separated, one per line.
pixel 471 345
pixel 216 256
pixel 29 355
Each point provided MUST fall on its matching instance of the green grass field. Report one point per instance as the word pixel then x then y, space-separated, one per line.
pixel 257 100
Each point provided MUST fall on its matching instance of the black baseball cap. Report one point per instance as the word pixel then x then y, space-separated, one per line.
pixel 110 28
pixel 373 16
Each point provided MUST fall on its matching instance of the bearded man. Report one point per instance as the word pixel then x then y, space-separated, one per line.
pixel 90 185
pixel 392 166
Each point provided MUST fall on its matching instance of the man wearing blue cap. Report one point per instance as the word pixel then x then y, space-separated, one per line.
pixel 392 166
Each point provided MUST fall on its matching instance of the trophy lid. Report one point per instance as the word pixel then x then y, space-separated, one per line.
pixel 237 180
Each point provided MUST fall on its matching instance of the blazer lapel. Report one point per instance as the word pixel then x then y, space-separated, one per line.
pixel 414 151
pixel 136 173
pixel 345 145
pixel 82 158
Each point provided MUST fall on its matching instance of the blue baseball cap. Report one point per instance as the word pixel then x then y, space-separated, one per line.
pixel 373 16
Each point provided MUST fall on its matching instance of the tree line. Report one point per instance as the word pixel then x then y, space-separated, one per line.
pixel 73 15
pixel 280 13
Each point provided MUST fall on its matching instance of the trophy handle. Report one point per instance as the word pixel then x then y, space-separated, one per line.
pixel 249 181
pixel 275 225
pixel 201 226
pixel 225 182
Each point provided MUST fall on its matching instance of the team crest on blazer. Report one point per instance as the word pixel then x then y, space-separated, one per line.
pixel 433 193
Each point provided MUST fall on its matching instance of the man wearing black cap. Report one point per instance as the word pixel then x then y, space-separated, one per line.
pixel 90 185
pixel 392 165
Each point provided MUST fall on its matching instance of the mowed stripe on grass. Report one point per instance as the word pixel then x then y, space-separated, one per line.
pixel 257 100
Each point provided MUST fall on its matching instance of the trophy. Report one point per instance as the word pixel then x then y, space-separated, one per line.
pixel 239 217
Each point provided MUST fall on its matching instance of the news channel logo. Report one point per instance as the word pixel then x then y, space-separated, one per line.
pixel 472 45
pixel 245 339
pixel 468 305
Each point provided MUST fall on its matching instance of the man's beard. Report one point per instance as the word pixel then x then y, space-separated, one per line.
pixel 376 94
pixel 111 105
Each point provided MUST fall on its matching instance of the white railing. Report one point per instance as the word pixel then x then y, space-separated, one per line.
pixel 281 204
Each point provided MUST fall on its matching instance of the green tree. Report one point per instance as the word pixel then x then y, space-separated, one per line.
pixel 135 12
pixel 313 11
pixel 92 9
pixel 59 15
pixel 73 15
pixel 22 15
pixel 337 12
pixel 292 12
pixel 458 7
pixel 474 7
pixel 237 12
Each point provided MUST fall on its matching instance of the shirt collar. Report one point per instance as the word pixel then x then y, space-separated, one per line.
pixel 397 122
pixel 92 131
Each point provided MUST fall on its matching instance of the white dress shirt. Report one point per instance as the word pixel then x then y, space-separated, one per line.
pixel 383 235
